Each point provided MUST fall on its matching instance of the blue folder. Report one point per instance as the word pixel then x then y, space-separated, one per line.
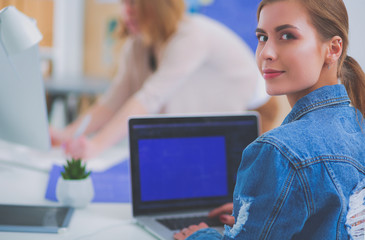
pixel 111 185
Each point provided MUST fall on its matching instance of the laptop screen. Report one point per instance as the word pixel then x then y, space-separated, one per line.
pixel 186 162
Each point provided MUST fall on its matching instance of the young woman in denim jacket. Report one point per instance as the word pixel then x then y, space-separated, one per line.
pixel 296 181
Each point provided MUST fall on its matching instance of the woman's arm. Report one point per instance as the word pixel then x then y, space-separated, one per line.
pixel 106 107
pixel 99 115
pixel 115 130
pixel 268 198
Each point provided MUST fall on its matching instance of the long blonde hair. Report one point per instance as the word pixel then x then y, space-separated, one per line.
pixel 158 19
pixel 330 19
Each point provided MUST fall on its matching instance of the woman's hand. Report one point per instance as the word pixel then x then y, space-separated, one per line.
pixel 81 147
pixel 224 213
pixel 186 232
pixel 58 137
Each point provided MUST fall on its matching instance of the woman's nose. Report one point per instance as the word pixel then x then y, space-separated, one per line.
pixel 268 51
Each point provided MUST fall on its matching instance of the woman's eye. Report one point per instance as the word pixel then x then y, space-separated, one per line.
pixel 287 36
pixel 262 38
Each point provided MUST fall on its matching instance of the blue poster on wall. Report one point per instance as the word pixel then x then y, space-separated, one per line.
pixel 238 15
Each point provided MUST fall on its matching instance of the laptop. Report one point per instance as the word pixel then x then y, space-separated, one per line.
pixel 184 166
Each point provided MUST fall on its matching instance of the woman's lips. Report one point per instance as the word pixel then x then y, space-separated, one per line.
pixel 271 73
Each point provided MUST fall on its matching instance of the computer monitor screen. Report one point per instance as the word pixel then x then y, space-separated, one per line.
pixel 23 113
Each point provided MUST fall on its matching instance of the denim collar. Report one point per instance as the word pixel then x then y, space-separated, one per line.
pixel 321 97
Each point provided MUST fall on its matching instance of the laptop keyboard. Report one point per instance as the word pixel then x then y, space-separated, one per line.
pixel 183 222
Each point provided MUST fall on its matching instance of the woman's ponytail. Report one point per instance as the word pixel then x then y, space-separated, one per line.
pixel 353 77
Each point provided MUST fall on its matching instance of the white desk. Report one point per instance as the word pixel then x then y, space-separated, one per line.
pixel 97 221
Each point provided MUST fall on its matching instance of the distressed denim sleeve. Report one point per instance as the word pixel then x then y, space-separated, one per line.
pixel 206 234
pixel 265 205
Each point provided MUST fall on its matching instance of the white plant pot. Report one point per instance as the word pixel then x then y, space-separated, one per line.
pixel 75 193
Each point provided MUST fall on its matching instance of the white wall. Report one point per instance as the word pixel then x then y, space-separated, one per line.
pixel 356 13
pixel 68 39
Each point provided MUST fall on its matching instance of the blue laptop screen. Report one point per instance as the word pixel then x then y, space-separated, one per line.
pixel 186 162
pixel 173 168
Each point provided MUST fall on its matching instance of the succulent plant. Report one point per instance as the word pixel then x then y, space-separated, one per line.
pixel 74 169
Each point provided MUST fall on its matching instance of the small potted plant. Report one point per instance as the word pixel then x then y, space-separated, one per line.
pixel 74 187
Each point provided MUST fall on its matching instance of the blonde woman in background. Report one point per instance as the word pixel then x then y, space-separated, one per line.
pixel 171 63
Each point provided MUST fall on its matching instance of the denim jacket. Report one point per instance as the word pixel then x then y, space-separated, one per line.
pixel 295 181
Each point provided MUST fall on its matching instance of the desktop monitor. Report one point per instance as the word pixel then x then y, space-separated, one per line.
pixel 23 112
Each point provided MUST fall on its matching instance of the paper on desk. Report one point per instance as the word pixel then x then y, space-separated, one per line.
pixel 111 185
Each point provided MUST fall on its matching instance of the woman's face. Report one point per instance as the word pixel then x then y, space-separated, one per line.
pixel 129 16
pixel 290 54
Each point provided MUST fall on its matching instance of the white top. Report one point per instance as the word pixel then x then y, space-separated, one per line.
pixel 204 67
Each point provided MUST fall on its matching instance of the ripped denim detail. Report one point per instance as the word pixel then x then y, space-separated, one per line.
pixel 242 217
pixel 355 220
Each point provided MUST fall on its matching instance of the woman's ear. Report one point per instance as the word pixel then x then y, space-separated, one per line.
pixel 334 50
